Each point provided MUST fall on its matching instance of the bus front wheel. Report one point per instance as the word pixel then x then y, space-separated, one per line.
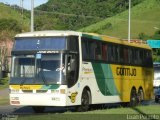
pixel 85 101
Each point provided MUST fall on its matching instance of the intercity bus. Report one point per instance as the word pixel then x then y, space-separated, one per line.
pixel 68 68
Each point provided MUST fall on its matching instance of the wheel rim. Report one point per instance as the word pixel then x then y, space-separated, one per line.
pixel 133 100
pixel 141 95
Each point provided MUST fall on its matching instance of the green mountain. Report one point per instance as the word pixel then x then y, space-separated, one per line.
pixel 145 20
pixel 76 14
pixel 11 22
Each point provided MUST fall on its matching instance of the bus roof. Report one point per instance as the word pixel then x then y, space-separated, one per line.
pixel 137 43
pixel 89 35
pixel 48 33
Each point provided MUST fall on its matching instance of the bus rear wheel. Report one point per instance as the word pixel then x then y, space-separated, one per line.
pixel 133 98
pixel 140 96
pixel 38 109
pixel 85 101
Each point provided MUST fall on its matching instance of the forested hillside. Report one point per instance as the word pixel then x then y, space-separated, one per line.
pixel 11 22
pixel 145 22
pixel 76 14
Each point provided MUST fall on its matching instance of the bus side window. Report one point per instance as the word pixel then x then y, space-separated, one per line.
pixel 98 51
pixel 118 54
pixel 84 50
pixel 129 56
pixel 147 59
pixel 110 55
pixel 104 52
pixel 92 50
pixel 125 55
pixel 134 57
pixel 115 55
pixel 141 57
pixel 121 54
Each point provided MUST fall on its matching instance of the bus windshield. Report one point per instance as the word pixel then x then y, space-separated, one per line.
pixel 38 69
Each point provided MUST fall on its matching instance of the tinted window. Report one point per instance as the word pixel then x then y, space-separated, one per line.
pixel 92 49
pixel 73 43
pixel 84 50
pixel 100 51
pixel 54 43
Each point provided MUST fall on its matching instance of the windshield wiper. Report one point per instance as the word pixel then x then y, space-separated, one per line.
pixel 43 78
pixel 42 74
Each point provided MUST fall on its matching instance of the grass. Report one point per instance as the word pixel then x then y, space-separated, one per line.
pixel 111 114
pixel 4 99
pixel 144 18
pixel 4 83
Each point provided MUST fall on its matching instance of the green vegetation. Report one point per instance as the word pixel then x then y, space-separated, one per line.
pixel 4 83
pixel 4 101
pixel 4 97
pixel 111 114
pixel 144 21
pixel 108 17
pixel 11 22
pixel 76 14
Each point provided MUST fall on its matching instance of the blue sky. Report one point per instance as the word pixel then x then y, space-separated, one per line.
pixel 26 3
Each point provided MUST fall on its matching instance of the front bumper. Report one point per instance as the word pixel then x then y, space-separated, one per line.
pixel 35 99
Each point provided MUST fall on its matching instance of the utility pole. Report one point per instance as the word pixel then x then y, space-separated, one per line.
pixel 21 6
pixel 32 15
pixel 129 22
pixel 22 9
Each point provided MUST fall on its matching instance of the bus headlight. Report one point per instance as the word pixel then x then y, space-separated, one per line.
pixel 62 91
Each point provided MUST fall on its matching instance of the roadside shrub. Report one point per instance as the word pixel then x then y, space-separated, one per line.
pixel 10 24
pixel 156 35
pixel 143 36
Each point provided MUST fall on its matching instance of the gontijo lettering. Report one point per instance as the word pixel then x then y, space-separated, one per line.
pixel 126 71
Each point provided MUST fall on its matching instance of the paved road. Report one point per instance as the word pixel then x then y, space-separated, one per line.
pixel 8 109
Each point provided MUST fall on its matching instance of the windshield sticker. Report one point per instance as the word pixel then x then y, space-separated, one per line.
pixel 38 56
pixel 48 52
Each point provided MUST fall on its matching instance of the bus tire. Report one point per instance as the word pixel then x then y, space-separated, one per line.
pixel 85 101
pixel 38 109
pixel 140 96
pixel 156 100
pixel 133 98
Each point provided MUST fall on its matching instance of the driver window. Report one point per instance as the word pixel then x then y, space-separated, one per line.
pixel 72 69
